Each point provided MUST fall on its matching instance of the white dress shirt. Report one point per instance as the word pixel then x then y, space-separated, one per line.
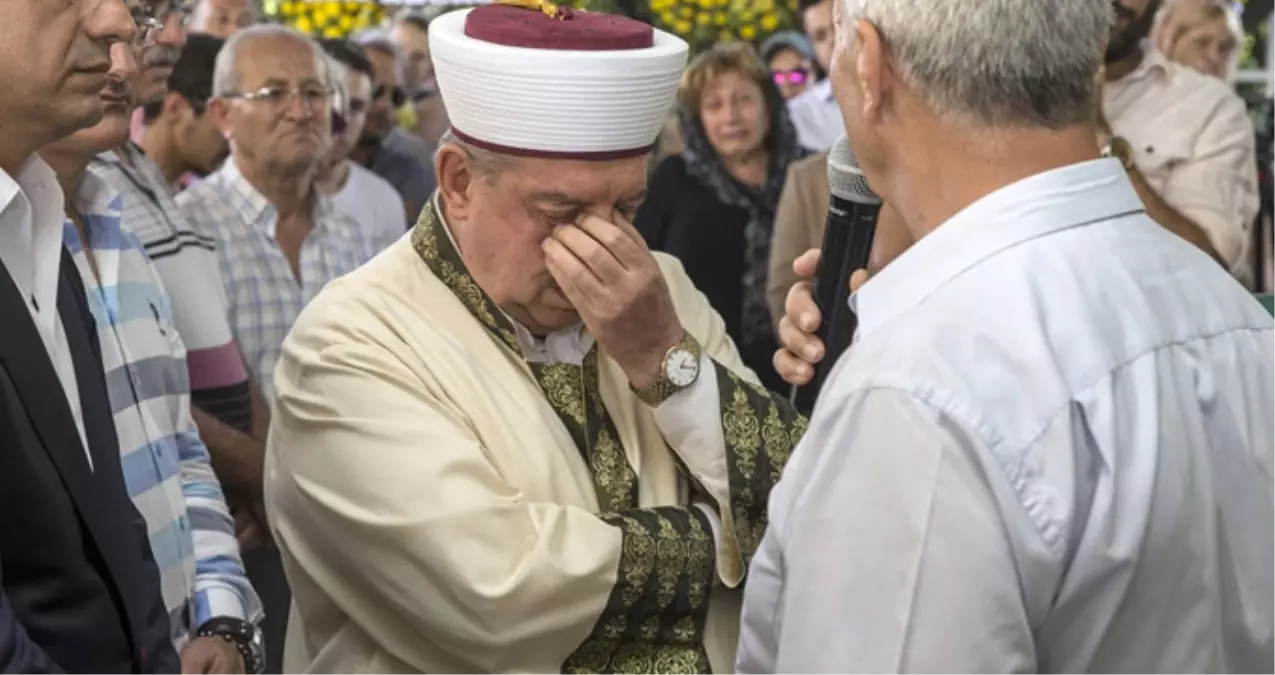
pixel 32 213
pixel 1050 450
pixel 816 116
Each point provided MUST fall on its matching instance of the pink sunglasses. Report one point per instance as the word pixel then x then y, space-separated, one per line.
pixel 794 76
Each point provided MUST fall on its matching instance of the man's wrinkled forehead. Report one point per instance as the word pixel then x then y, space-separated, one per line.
pixel 583 184
pixel 283 59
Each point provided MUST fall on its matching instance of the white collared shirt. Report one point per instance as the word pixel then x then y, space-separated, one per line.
pixel 816 116
pixel 1050 450
pixel 32 214
pixel 1193 141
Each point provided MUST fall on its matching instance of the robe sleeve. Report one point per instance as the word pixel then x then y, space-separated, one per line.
pixel 383 495
pixel 733 437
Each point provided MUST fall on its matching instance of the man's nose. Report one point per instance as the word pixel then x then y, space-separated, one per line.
pixel 108 21
pixel 174 32
pixel 123 61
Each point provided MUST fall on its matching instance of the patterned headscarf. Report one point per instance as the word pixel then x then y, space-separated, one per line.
pixel 704 164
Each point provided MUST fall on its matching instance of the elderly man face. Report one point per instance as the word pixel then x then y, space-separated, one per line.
pixel 502 209
pixel 222 17
pixel 279 116
pixel 54 60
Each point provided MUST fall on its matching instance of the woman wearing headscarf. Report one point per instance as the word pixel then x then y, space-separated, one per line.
pixel 713 205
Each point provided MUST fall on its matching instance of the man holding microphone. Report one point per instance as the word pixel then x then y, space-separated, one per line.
pixel 1050 448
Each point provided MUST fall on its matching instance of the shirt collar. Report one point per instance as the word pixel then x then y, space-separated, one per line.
pixel 95 196
pixel 1048 202
pixel 32 212
pixel 1153 63
pixel 256 207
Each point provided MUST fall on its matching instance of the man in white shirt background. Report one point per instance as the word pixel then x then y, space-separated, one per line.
pixel 1051 447
pixel 815 113
pixel 1185 137
pixel 364 196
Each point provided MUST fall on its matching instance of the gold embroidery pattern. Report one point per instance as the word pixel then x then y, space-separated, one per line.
pixel 562 385
pixel 572 391
pixel 654 620
pixel 761 430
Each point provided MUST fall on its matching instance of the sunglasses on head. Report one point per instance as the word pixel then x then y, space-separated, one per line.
pixel 794 76
pixel 397 97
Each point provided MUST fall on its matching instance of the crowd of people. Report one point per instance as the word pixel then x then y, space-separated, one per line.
pixel 465 344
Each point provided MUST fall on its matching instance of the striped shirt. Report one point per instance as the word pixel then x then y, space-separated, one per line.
pixel 186 260
pixel 166 466
pixel 265 298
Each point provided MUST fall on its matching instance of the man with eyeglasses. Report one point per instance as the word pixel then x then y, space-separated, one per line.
pixel 78 585
pixel 279 239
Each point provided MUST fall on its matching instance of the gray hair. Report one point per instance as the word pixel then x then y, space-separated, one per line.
pixel 486 163
pixel 225 69
pixel 996 63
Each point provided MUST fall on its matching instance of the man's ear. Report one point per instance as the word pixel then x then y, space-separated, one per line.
pixel 455 179
pixel 871 69
pixel 219 108
pixel 173 106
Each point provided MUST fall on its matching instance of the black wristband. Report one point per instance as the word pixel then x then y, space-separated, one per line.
pixel 243 635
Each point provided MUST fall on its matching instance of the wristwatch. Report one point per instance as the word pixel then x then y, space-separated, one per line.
pixel 679 370
pixel 1120 149
pixel 245 636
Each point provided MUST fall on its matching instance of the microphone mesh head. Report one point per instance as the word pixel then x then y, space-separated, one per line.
pixel 845 178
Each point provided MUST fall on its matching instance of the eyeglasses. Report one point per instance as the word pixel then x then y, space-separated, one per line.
pixel 397 97
pixel 313 96
pixel 150 17
pixel 793 76
pixel 148 28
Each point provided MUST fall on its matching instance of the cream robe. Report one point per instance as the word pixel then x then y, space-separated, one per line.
pixel 432 511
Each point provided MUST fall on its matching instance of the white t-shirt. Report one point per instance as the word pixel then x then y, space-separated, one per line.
pixel 374 204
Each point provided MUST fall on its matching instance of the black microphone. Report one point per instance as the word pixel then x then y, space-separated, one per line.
pixel 853 210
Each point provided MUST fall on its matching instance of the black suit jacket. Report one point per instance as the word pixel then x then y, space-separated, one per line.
pixel 79 590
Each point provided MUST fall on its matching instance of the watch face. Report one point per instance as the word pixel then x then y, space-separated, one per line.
pixel 681 367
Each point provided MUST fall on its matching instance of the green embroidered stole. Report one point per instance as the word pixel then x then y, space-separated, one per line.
pixel 572 390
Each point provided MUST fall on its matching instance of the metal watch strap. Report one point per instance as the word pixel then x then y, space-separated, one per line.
pixel 238 633
pixel 663 388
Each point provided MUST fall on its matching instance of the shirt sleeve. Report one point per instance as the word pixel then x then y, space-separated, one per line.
pixel 890 554
pixel 1217 187
pixel 732 436
pixel 221 584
